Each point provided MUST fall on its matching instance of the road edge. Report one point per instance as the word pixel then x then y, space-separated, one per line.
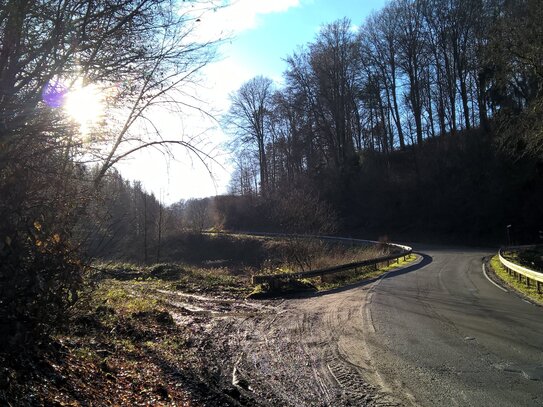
pixel 493 277
pixel 485 266
pixel 371 374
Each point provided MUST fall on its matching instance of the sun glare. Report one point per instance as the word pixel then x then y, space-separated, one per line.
pixel 85 104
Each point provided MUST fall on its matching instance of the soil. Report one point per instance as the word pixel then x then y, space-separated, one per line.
pixel 283 352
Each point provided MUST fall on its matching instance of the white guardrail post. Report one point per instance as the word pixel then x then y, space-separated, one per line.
pixel 519 271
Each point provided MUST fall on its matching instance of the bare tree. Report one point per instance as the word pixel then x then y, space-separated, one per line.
pixel 412 54
pixel 334 58
pixel 244 180
pixel 141 54
pixel 165 75
pixel 379 41
pixel 249 110
pixel 197 214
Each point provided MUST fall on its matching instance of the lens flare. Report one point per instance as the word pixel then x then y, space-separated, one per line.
pixel 54 93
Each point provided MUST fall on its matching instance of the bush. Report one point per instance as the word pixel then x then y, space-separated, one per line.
pixel 40 277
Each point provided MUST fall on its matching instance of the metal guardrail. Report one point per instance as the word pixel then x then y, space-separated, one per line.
pixel 519 271
pixel 271 278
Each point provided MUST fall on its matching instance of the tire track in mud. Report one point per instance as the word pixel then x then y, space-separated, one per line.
pixel 310 352
pixel 297 352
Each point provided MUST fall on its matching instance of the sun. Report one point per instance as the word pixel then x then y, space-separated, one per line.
pixel 85 104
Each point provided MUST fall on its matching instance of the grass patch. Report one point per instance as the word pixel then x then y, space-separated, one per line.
pixel 172 276
pixel 332 281
pixel 512 281
pixel 124 297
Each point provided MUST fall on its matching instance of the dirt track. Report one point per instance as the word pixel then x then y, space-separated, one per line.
pixel 309 353
pixel 297 352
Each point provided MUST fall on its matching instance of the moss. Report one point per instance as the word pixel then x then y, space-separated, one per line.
pixel 258 290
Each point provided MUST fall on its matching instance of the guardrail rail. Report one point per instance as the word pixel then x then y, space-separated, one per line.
pixel 276 278
pixel 519 271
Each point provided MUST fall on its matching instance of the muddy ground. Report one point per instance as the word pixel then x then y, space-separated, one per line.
pixel 306 351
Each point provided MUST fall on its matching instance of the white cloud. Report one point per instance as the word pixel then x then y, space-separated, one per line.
pixel 243 15
pixel 222 78
pixel 239 16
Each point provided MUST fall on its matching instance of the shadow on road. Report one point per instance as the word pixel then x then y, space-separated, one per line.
pixel 426 259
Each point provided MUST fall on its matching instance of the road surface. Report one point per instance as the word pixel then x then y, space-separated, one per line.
pixel 437 333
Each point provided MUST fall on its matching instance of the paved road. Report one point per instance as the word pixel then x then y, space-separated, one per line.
pixel 435 334
pixel 446 336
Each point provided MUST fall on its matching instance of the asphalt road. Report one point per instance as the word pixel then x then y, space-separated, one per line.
pixel 437 333
pixel 442 334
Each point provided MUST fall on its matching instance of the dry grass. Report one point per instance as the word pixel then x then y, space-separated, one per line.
pixel 303 254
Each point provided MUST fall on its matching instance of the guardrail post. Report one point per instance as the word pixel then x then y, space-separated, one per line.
pixel 519 272
pixel 274 281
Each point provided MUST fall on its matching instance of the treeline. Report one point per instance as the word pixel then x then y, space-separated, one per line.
pixel 426 117
pixel 124 222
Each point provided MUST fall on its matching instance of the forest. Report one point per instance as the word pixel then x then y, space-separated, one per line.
pixel 423 123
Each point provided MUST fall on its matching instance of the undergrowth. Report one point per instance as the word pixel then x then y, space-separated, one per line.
pixel 531 257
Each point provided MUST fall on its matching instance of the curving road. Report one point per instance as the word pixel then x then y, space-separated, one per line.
pixel 447 336
pixel 436 333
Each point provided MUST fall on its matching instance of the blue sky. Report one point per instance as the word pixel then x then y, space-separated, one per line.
pixel 279 34
pixel 263 32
